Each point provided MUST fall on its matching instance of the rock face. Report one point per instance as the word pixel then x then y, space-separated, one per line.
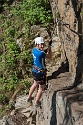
pixel 69 107
pixel 72 36
pixel 61 105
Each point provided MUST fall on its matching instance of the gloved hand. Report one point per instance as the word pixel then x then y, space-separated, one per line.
pixel 50 43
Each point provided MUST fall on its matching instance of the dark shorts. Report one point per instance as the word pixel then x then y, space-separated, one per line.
pixel 40 77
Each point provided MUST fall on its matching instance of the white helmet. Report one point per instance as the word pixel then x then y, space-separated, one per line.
pixel 39 40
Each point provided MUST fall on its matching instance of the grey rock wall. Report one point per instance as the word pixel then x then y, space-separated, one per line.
pixel 69 107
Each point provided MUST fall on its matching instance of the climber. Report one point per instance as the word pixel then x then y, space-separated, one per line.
pixel 39 69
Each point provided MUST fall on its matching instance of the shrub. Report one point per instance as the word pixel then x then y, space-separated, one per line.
pixel 3 99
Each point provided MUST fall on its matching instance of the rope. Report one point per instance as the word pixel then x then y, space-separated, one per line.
pixel 66 25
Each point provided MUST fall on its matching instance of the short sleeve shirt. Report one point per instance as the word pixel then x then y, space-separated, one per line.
pixel 38 57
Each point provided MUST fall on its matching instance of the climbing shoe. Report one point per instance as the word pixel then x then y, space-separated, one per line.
pixel 38 104
pixel 29 99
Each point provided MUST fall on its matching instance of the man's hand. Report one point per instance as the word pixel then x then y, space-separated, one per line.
pixel 50 43
pixel 49 47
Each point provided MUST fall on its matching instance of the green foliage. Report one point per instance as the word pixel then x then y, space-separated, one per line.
pixel 27 86
pixel 3 99
pixel 16 21
pixel 81 12
pixel 37 12
pixel 26 57
pixel 1 111
pixel 34 12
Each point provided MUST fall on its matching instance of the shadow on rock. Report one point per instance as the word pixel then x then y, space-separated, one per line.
pixel 63 68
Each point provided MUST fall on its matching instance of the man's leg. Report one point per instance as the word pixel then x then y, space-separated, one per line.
pixel 39 93
pixel 32 89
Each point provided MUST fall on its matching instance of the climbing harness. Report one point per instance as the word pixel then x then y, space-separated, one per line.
pixel 38 69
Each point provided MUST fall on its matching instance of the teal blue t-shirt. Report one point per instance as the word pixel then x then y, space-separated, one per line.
pixel 38 59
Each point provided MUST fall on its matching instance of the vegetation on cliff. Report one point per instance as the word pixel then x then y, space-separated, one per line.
pixel 16 43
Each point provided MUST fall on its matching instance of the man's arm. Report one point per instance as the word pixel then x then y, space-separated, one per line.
pixel 48 51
